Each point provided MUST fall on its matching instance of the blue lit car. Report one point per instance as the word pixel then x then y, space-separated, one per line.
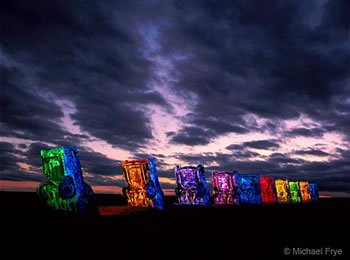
pixel 248 188
pixel 314 191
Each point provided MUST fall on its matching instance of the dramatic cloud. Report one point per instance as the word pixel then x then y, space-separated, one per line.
pixel 232 85
pixel 24 113
pixel 87 54
pixel 274 61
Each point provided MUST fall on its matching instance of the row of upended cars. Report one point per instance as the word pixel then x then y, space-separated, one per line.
pixel 66 190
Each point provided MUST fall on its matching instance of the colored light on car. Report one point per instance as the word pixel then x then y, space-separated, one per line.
pixel 191 187
pixel 267 187
pixel 282 191
pixel 248 188
pixel 294 192
pixel 314 191
pixel 65 189
pixel 305 191
pixel 143 188
pixel 224 188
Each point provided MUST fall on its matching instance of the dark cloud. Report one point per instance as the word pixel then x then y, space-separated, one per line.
pixel 244 155
pixel 104 180
pixel 29 114
pixel 262 144
pixel 219 127
pixel 192 135
pixel 24 113
pixel 8 157
pixel 203 129
pixel 311 152
pixel 89 54
pixel 10 160
pixel 32 154
pixel 240 152
pixel 22 146
pixel 227 59
pixel 196 159
pixel 235 147
pixel 283 158
pixel 308 132
pixel 97 163
pixel 274 61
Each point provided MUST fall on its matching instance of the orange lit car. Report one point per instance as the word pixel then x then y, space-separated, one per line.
pixel 305 191
pixel 143 185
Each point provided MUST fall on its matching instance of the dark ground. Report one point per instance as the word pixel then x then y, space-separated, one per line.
pixel 29 230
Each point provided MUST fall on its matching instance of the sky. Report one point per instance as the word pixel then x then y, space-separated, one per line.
pixel 232 85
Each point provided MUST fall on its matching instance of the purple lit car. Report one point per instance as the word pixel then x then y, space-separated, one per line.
pixel 225 188
pixel 191 186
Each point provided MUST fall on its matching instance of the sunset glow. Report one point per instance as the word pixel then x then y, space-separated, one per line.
pixel 232 86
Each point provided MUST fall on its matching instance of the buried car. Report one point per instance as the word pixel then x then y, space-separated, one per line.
pixel 294 192
pixel 224 188
pixel 282 191
pixel 314 191
pixel 305 191
pixel 191 186
pixel 143 185
pixel 65 189
pixel 248 188
pixel 268 190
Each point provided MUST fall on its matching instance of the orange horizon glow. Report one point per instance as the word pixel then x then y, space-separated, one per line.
pixel 30 186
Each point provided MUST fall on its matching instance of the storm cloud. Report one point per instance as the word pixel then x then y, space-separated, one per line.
pixel 232 85
pixel 87 54
pixel 277 61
